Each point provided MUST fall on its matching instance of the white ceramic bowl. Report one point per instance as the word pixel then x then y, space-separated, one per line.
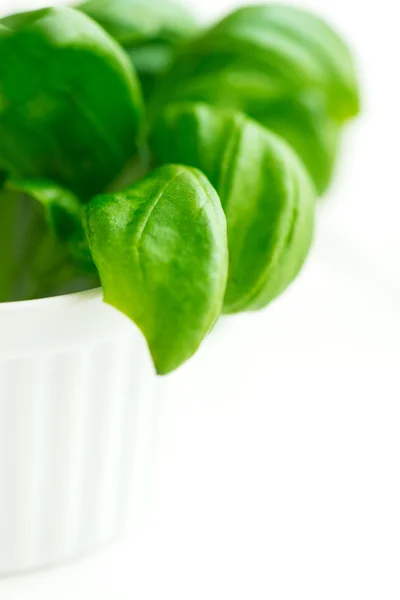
pixel 76 415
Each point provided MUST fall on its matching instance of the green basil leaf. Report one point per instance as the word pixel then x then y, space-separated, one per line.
pixel 70 105
pixel 41 243
pixel 61 207
pixel 304 123
pixel 290 49
pixel 8 219
pixel 283 67
pixel 151 60
pixel 63 214
pixel 301 120
pixel 265 191
pixel 161 252
pixel 309 52
pixel 150 31
pixel 132 22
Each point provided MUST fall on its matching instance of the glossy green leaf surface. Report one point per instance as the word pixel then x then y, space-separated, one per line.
pixel 161 251
pixel 265 191
pixel 70 104
pixel 150 31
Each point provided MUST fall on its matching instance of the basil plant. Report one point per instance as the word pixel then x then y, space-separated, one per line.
pixel 282 66
pixel 265 191
pixel 178 168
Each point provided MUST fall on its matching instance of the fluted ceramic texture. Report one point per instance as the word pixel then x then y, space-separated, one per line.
pixel 75 434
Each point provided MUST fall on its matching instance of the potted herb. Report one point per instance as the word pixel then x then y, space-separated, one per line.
pixel 198 202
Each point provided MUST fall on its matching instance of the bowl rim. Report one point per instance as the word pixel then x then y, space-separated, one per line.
pixel 57 302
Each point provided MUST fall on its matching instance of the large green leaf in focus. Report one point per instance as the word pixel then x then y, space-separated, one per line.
pixel 265 191
pixel 70 104
pixel 161 251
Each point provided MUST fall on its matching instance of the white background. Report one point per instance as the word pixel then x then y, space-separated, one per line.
pixel 279 444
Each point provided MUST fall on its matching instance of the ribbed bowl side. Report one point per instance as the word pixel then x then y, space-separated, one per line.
pixel 75 430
